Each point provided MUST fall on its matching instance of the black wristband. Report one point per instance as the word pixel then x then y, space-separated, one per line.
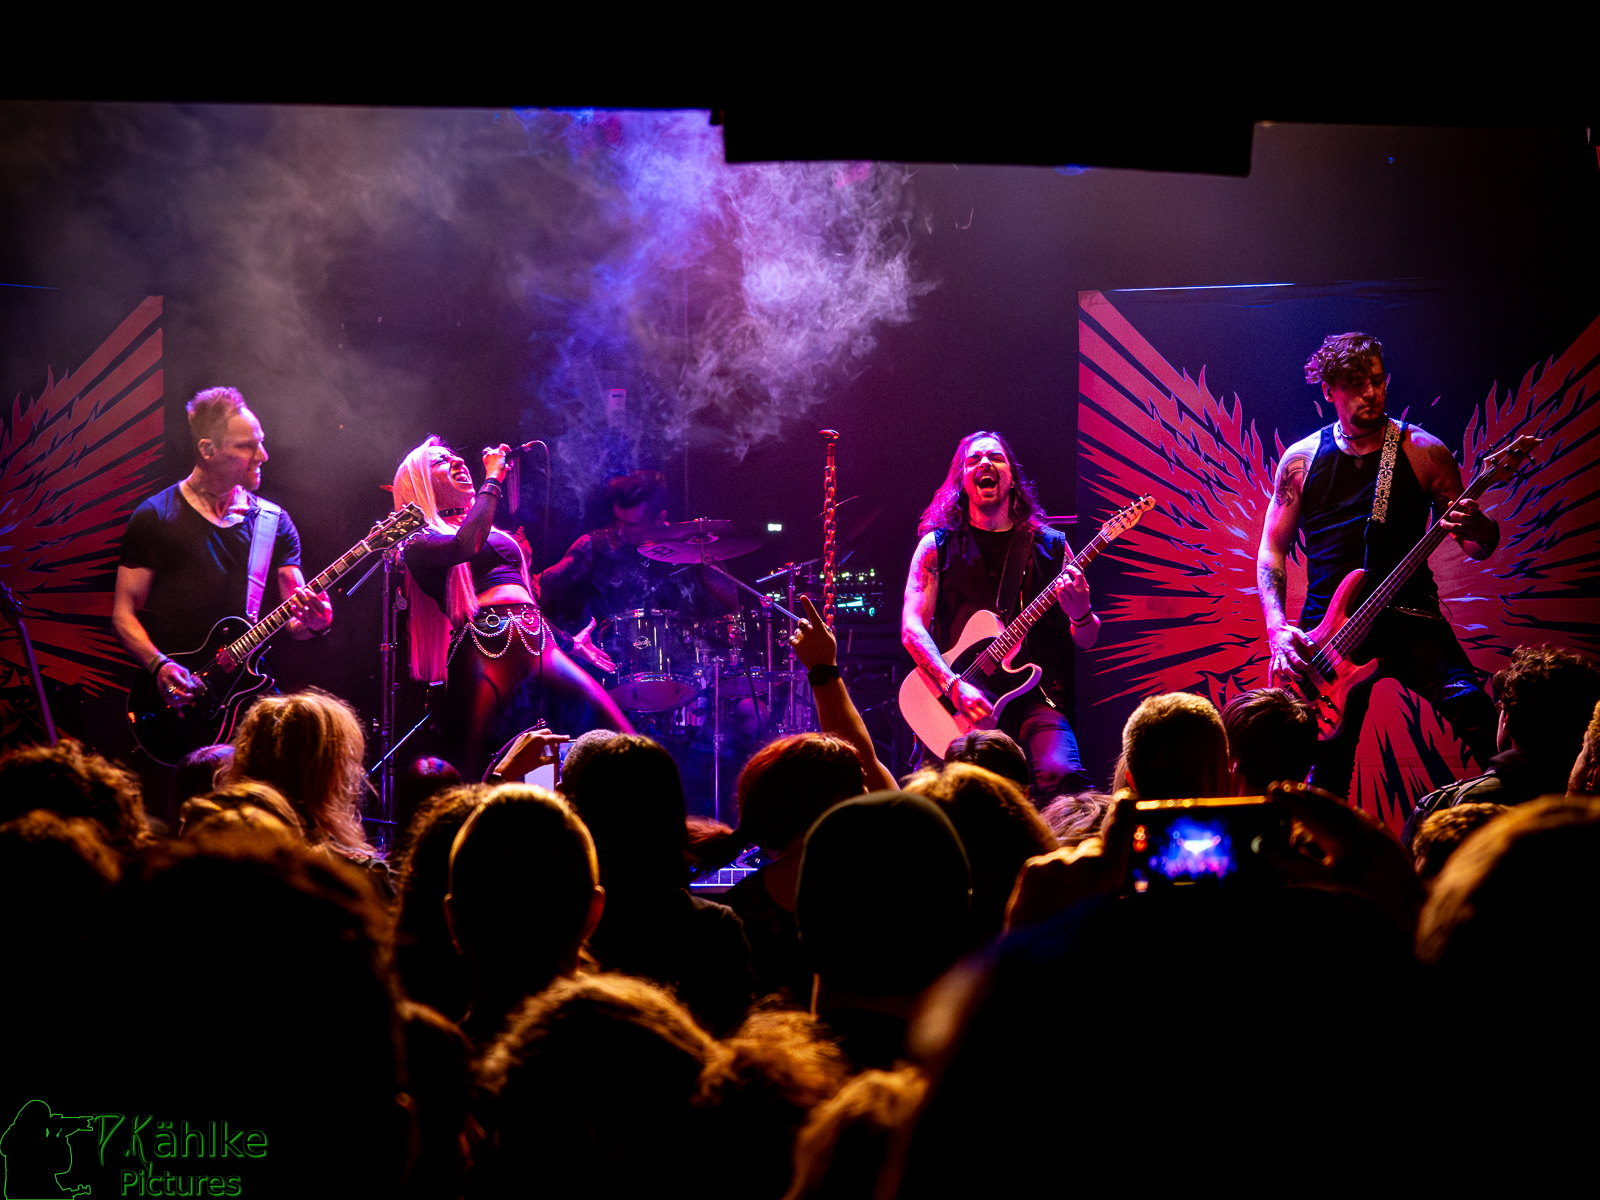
pixel 492 487
pixel 822 674
pixel 155 667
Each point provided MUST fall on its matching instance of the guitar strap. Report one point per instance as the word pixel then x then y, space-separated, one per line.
pixel 1391 447
pixel 262 540
pixel 1008 602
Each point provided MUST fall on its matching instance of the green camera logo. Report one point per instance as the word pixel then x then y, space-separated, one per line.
pixel 158 1157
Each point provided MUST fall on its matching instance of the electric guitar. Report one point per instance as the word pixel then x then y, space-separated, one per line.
pixel 226 665
pixel 1331 676
pixel 983 653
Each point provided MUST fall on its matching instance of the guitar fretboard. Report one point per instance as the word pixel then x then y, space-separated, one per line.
pixel 259 633
pixel 995 653
pixel 1354 631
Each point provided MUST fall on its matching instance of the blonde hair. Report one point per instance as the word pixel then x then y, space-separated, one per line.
pixel 309 746
pixel 430 625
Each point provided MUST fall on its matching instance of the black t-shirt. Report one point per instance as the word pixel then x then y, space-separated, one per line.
pixel 201 571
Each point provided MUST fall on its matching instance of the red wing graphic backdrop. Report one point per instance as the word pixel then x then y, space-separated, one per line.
pixel 1193 394
pixel 74 463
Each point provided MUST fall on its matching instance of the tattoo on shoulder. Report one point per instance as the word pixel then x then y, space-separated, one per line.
pixel 1291 478
pixel 927 567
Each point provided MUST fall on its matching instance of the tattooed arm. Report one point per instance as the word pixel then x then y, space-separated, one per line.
pixel 1286 645
pixel 922 594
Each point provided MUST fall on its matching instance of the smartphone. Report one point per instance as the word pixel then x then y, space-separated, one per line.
pixel 1202 842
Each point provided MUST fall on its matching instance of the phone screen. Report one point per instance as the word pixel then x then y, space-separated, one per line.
pixel 1204 841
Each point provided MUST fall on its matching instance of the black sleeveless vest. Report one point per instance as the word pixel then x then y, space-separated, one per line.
pixel 966 587
pixel 1335 519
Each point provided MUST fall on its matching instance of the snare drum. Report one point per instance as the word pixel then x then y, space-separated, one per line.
pixel 721 632
pixel 654 653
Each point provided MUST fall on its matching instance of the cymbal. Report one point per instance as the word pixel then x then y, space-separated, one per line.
pixel 683 531
pixel 706 547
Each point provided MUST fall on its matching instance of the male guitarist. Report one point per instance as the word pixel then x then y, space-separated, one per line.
pixel 187 554
pixel 1330 489
pixel 985 546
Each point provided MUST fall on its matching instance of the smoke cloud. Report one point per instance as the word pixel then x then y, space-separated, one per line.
pixel 374 274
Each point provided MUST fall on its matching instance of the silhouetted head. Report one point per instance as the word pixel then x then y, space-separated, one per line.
pixel 993 751
pixel 422 779
pixel 72 782
pixel 1272 736
pixel 1440 835
pixel 1174 746
pixel 309 746
pixel 790 782
pixel 630 796
pixel 884 900
pixel 998 828
pixel 590 1091
pixel 524 886
pixel 1546 696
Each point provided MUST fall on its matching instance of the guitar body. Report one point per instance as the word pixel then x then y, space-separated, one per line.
pixel 934 718
pixel 1328 690
pixel 169 734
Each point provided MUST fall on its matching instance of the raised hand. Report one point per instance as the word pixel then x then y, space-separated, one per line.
pixel 494 460
pixel 813 645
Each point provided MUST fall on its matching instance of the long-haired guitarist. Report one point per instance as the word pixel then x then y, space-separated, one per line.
pixel 187 554
pixel 985 547
pixel 1359 505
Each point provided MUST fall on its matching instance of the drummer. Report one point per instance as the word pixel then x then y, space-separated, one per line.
pixel 603 575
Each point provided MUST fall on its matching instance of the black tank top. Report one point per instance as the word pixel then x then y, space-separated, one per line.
pixel 1335 512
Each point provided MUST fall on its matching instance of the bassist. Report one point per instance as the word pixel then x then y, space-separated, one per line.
pixel 186 555
pixel 1332 488
pixel 985 546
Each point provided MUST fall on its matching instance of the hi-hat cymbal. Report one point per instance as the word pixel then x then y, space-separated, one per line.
pixel 705 547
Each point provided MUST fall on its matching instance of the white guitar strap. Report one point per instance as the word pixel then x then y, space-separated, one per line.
pixel 262 540
pixel 1391 447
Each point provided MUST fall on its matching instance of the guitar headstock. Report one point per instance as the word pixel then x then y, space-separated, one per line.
pixel 1126 518
pixel 396 526
pixel 1499 465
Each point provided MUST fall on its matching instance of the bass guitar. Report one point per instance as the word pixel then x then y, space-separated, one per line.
pixel 983 653
pixel 1330 675
pixel 226 665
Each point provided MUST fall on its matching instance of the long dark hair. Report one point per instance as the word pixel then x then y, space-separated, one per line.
pixel 948 509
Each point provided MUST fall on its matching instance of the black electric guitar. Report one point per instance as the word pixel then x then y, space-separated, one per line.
pixel 983 653
pixel 226 665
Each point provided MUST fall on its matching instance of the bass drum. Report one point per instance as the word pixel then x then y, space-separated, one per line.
pixel 654 653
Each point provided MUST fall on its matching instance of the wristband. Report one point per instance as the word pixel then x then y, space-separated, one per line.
pixel 1072 620
pixel 492 487
pixel 822 674
pixel 155 667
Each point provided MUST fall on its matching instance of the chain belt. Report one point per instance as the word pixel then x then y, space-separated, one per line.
pixel 521 620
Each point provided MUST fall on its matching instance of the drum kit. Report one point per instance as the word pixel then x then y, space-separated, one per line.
pixel 680 674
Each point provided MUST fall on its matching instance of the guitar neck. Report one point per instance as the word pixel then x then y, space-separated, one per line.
pixel 259 633
pixel 1355 630
pixel 1018 629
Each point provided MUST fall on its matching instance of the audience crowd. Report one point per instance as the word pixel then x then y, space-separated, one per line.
pixel 927 988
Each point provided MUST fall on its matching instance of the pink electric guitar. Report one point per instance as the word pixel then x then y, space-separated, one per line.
pixel 1331 676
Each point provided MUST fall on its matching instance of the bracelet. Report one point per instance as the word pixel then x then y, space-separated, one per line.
pixel 492 487
pixel 161 660
pixel 822 674
pixel 1072 620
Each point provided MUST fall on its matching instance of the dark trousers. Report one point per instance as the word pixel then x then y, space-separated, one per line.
pixel 1046 736
pixel 1421 654
pixel 492 699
